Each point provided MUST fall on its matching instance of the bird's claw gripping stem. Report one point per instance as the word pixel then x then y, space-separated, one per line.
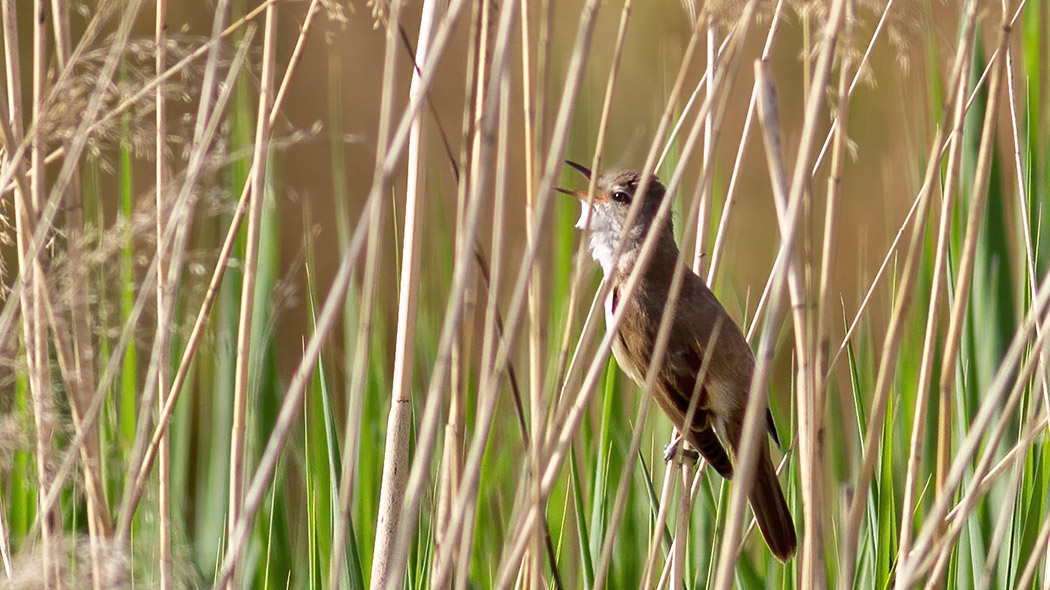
pixel 676 450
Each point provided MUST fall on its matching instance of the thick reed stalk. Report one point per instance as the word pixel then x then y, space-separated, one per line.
pixel 395 455
pixel 395 470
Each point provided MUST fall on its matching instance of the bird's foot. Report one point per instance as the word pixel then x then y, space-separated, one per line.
pixel 676 449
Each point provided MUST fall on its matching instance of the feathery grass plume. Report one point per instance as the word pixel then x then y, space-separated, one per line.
pixel 335 11
pixel 7 233
pixel 114 567
pixel 380 12
pixel 135 127
pixel 14 436
pixel 905 21
pixel 726 13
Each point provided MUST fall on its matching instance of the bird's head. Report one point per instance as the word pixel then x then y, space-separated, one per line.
pixel 607 213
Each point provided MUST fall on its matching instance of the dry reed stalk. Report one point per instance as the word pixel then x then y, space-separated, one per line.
pixel 463 344
pixel 395 452
pixel 164 305
pixel 5 543
pixel 941 253
pixel 1011 457
pixel 1023 205
pixel 904 294
pixel 747 457
pixel 799 288
pixel 702 220
pixel 813 551
pixel 451 466
pixel 10 128
pixel 238 428
pixel 964 272
pixel 681 532
pixel 537 335
pixel 667 489
pixel 492 333
pixel 457 532
pixel 935 540
pixel 451 476
pixel 33 317
pixel 1038 556
pixel 404 352
pixel 1002 523
pixel 710 131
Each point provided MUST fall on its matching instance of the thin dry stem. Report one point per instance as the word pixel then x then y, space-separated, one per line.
pixel 747 457
pixel 141 468
pixel 486 144
pixel 963 282
pixel 256 491
pixel 245 320
pixel 929 342
pixel 731 192
pixel 163 307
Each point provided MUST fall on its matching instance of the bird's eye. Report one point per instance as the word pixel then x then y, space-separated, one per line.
pixel 621 196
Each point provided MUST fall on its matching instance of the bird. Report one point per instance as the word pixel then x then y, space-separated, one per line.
pixel 701 331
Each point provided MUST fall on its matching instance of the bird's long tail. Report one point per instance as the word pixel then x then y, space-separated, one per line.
pixel 771 510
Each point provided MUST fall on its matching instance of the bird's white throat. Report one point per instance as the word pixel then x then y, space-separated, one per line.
pixel 604 235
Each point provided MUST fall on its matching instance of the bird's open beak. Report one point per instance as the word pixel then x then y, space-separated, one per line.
pixel 581 168
pixel 581 195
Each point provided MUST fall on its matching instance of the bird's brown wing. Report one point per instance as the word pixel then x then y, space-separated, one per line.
pixel 677 376
pixel 679 383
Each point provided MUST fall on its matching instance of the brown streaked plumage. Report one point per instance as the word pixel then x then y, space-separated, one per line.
pixel 700 327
